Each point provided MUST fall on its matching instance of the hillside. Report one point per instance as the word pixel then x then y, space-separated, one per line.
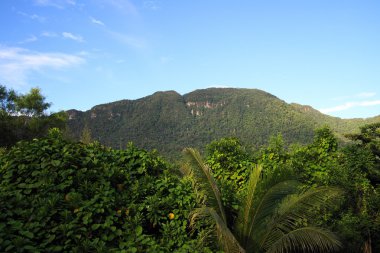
pixel 168 122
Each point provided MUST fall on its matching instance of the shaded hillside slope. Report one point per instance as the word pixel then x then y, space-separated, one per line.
pixel 168 122
pixel 340 126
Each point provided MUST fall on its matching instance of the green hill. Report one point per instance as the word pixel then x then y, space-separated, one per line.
pixel 168 122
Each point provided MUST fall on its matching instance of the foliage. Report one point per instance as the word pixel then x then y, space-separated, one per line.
pixel 229 163
pixel 22 116
pixel 59 196
pixel 212 205
pixel 86 135
pixel 352 168
pixel 7 100
pixel 357 173
pixel 32 103
pixel 273 157
pixel 228 160
pixel 168 122
pixel 315 163
pixel 273 214
pixel 369 139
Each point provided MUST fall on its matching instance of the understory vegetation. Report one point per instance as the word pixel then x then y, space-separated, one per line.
pixel 61 195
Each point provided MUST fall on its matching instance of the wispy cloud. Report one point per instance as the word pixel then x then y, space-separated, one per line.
pixel 129 40
pixel 32 16
pixel 49 34
pixel 71 2
pixel 358 95
pixel 31 38
pixel 65 35
pixel 60 4
pixel 219 86
pixel 16 64
pixel 350 105
pixel 97 21
pixel 366 94
pixel 71 36
pixel 125 6
pixel 151 5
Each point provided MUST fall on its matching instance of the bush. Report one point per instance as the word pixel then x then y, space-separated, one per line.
pixel 59 196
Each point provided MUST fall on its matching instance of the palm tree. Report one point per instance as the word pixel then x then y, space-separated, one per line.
pixel 271 217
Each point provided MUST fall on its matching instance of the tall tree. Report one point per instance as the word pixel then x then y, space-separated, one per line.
pixel 360 175
pixel 369 138
pixel 86 135
pixel 32 104
pixel 7 100
pixel 22 116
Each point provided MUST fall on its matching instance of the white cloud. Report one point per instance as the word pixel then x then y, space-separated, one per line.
pixel 129 40
pixel 366 94
pixel 350 105
pixel 71 36
pixel 152 5
pixel 340 98
pixel 220 86
pixel 84 53
pixel 60 4
pixel 29 39
pixel 32 16
pixel 96 21
pixel 49 34
pixel 71 2
pixel 125 6
pixel 16 64
pixel 370 103
pixel 359 95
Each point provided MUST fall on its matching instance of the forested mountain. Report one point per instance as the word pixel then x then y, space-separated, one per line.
pixel 168 122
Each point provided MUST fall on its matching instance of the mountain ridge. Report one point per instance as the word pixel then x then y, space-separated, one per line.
pixel 168 121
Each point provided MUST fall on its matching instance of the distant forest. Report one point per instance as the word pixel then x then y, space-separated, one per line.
pixel 169 122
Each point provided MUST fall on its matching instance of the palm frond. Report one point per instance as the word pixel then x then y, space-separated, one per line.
pixel 225 237
pixel 306 239
pixel 202 175
pixel 304 205
pixel 268 204
pixel 295 208
pixel 246 213
pixel 252 229
pixel 202 214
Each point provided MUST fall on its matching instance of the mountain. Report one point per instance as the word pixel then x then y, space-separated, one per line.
pixel 168 122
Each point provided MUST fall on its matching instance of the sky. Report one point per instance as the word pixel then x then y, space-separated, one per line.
pixel 80 53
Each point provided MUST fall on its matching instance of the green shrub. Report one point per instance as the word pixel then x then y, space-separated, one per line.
pixel 59 196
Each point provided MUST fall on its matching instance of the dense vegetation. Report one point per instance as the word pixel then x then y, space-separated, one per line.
pixel 270 214
pixel 60 195
pixel 23 117
pixel 168 122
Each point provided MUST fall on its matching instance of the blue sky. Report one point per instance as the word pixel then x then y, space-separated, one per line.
pixel 323 53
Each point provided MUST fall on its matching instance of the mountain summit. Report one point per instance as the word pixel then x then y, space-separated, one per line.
pixel 168 122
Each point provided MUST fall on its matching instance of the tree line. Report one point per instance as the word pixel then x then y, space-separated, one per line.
pixel 24 117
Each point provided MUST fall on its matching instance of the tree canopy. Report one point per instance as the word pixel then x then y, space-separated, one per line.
pixel 23 116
